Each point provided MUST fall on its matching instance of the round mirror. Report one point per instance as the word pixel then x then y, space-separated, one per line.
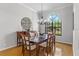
pixel 26 23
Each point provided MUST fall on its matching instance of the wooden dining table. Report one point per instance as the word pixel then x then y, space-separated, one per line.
pixel 39 40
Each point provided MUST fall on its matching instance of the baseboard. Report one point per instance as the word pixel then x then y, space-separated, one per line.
pixel 16 45
pixel 7 48
pixel 64 42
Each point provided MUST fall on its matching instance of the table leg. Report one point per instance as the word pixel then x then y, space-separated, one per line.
pixel 37 50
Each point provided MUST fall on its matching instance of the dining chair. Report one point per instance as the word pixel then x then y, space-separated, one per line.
pixel 28 46
pixel 51 43
pixel 52 37
pixel 19 40
pixel 48 46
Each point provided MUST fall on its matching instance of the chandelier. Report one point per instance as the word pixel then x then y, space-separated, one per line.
pixel 41 19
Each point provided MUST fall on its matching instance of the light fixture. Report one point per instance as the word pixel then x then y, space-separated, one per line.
pixel 41 10
pixel 41 18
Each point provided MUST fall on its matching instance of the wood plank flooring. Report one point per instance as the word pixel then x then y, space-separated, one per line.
pixel 16 51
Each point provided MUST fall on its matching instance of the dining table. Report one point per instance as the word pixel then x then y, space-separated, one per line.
pixel 39 40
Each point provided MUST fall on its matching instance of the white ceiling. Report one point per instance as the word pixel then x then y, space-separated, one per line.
pixel 46 6
pixel 35 6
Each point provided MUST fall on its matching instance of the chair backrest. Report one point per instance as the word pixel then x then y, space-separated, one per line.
pixel 51 39
pixel 23 35
pixel 25 40
pixel 18 35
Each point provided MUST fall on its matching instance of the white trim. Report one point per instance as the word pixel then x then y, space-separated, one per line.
pixel 27 7
pixel 64 42
pixel 7 48
pixel 38 11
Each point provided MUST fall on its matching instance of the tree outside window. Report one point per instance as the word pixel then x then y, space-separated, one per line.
pixel 56 24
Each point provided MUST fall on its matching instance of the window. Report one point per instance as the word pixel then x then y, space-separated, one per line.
pixel 56 24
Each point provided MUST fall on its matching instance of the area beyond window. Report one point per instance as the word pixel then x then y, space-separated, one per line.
pixel 56 24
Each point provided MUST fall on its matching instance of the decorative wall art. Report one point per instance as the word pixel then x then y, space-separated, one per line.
pixel 26 23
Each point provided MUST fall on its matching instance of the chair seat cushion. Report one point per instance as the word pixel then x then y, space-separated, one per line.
pixel 43 44
pixel 31 47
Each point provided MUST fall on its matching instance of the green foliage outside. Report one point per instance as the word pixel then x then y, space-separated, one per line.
pixel 57 27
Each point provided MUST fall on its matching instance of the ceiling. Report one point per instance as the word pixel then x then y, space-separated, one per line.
pixel 35 6
pixel 46 6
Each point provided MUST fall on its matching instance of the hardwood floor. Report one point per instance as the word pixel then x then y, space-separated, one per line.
pixel 16 51
pixel 66 49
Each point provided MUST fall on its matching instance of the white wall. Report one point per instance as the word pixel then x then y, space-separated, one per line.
pixel 10 17
pixel 42 28
pixel 66 15
pixel 76 30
